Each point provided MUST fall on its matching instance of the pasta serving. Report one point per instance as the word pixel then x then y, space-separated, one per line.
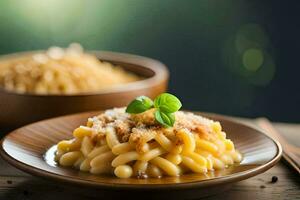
pixel 136 145
pixel 61 71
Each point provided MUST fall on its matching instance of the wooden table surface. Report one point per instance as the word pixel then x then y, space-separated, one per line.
pixel 17 185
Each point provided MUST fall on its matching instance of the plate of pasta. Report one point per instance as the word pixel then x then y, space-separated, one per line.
pixel 149 145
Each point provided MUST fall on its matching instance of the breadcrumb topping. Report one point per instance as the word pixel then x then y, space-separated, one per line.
pixel 143 125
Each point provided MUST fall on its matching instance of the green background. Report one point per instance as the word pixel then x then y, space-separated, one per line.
pixel 233 57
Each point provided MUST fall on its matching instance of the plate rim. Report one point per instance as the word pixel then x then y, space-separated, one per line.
pixel 227 179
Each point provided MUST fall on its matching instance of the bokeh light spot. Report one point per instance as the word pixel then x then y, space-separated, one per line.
pixel 253 59
pixel 251 36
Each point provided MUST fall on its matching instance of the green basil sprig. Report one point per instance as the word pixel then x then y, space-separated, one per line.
pixel 165 104
pixel 165 119
pixel 139 105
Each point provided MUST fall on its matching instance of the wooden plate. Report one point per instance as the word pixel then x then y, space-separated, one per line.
pixel 30 149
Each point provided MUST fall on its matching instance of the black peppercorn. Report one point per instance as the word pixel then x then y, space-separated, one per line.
pixel 274 179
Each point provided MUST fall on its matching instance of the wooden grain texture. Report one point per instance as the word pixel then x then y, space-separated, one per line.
pixel 290 132
pixel 17 185
pixel 291 153
pixel 19 109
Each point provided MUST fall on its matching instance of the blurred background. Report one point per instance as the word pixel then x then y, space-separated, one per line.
pixel 233 57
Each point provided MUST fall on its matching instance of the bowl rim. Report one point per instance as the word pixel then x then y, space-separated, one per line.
pixel 161 73
pixel 188 185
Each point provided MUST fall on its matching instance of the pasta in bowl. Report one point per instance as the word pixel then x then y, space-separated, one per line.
pixel 148 139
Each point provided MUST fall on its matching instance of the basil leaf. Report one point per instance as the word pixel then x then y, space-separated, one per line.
pixel 139 105
pixel 165 119
pixel 167 103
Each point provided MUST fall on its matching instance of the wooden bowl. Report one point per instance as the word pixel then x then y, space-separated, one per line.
pixel 31 148
pixel 19 109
